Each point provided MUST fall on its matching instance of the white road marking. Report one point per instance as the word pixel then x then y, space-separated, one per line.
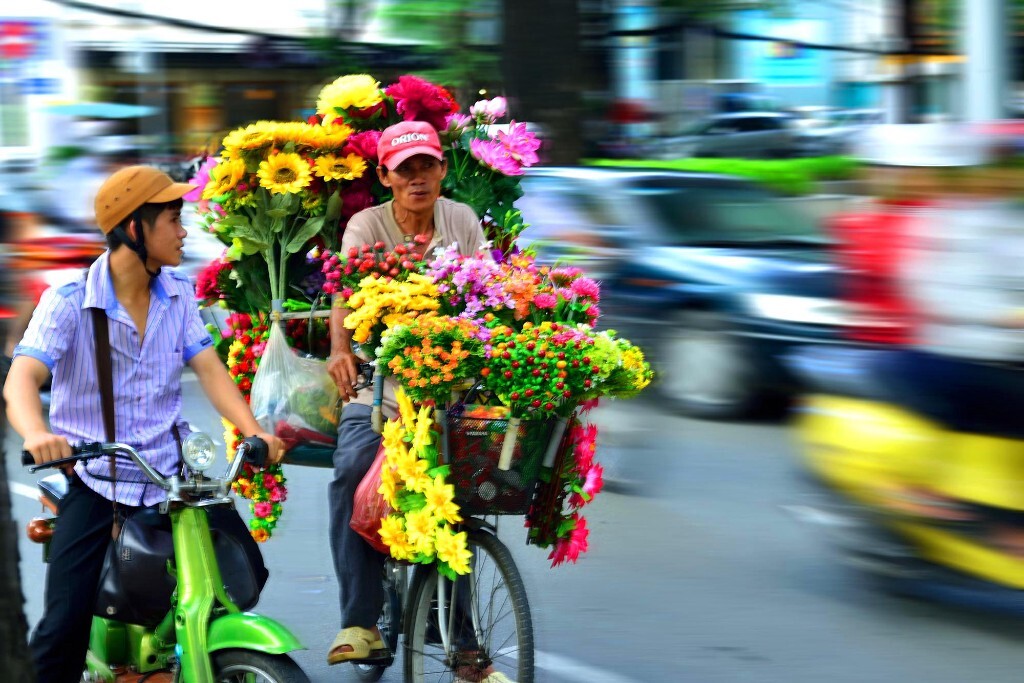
pixel 573 670
pixel 20 489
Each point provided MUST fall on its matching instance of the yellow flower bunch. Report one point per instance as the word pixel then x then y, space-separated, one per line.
pixel 355 91
pixel 388 301
pixel 419 529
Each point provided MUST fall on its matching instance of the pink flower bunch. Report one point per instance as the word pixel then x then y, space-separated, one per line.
pixel 494 156
pixel 364 144
pixel 569 547
pixel 487 112
pixel 420 100
pixel 521 144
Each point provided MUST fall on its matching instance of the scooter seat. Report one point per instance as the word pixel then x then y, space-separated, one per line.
pixel 54 488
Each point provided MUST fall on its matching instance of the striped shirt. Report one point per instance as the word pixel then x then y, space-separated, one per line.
pixel 146 378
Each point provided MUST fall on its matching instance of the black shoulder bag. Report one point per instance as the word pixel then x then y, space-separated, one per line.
pixel 135 584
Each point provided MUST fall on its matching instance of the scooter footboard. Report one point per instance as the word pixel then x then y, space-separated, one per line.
pixel 247 631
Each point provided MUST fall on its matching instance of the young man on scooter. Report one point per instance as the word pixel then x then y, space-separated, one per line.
pixel 155 330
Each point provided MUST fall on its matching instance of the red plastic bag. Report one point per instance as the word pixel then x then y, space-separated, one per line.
pixel 370 507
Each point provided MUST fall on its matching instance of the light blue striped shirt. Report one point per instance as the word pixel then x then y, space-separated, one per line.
pixel 146 378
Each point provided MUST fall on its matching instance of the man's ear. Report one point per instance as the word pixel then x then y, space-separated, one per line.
pixel 382 175
pixel 133 230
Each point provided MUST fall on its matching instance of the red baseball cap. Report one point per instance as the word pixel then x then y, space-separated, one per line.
pixel 406 139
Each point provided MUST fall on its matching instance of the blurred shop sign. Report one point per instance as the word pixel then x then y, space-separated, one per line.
pixel 23 40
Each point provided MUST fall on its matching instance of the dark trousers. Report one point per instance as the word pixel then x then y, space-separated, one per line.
pixel 358 565
pixel 77 549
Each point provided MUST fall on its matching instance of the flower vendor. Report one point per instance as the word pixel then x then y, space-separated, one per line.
pixel 411 164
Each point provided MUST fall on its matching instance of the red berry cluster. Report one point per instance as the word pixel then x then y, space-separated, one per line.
pixel 345 272
pixel 541 369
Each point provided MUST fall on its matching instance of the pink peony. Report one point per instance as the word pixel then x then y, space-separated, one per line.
pixel 521 144
pixel 355 198
pixel 263 509
pixel 200 179
pixel 494 156
pixel 364 144
pixel 584 286
pixel 545 301
pixel 420 100
pixel 487 112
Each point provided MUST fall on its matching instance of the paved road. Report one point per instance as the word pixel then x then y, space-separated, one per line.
pixel 695 574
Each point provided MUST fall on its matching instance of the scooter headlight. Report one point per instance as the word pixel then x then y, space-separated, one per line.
pixel 198 451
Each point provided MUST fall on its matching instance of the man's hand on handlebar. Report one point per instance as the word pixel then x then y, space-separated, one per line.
pixel 275 447
pixel 344 370
pixel 46 447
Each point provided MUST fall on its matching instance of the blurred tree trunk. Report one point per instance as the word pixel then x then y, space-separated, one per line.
pixel 541 67
pixel 15 662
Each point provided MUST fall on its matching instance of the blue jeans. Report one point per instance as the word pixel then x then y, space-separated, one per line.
pixel 358 566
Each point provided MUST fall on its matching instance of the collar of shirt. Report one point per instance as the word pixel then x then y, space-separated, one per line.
pixel 99 287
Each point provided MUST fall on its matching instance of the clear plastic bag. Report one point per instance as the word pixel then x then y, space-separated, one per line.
pixel 293 397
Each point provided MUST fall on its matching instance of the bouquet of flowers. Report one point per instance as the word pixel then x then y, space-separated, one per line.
pixel 523 334
pixel 280 194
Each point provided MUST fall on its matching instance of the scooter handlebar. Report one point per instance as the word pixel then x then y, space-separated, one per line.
pixel 85 451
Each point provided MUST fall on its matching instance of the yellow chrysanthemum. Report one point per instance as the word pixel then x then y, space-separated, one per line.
pixel 254 136
pixel 406 410
pixel 355 91
pixel 441 500
pixel 419 527
pixel 287 172
pixel 423 435
pixel 412 469
pixel 388 486
pixel 451 548
pixel 392 433
pixel 392 532
pixel 223 177
pixel 331 167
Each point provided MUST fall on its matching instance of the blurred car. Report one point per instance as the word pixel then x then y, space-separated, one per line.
pixel 713 275
pixel 836 131
pixel 739 135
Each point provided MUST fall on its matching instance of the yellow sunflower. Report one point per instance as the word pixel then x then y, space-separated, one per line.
pixel 334 136
pixel 223 177
pixel 254 136
pixel 286 172
pixel 331 167
pixel 357 91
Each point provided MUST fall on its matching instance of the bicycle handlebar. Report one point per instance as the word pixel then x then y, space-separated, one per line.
pixel 252 449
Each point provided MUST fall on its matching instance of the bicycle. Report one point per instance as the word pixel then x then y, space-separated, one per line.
pixel 456 630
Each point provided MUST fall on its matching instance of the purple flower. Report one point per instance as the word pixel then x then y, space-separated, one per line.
pixel 495 156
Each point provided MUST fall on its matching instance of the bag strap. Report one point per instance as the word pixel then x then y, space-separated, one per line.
pixel 105 377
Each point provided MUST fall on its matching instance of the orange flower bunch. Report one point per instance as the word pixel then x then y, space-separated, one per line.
pixel 432 355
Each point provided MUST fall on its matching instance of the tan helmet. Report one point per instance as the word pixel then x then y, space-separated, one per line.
pixel 131 187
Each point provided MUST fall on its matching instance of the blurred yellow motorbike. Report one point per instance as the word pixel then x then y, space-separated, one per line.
pixel 920 482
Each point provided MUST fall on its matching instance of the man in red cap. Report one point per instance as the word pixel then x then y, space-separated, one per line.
pixel 154 330
pixel 412 165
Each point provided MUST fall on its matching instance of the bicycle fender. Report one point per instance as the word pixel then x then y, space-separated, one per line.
pixel 248 631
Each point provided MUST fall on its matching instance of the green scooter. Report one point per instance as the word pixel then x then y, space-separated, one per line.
pixel 200 634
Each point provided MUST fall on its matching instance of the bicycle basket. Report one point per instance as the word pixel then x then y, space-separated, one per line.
pixel 474 449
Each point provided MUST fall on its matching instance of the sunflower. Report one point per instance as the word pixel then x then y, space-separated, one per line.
pixel 357 91
pixel 223 177
pixel 331 167
pixel 254 136
pixel 334 136
pixel 282 173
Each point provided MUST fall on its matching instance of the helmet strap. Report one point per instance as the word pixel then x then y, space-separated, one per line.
pixel 137 245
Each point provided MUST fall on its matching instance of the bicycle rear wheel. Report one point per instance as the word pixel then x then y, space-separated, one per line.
pixel 486 619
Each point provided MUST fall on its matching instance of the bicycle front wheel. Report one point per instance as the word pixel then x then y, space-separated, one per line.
pixel 460 629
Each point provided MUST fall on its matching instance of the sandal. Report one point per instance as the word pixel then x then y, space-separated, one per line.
pixel 365 644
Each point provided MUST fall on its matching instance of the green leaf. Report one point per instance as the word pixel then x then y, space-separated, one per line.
pixel 278 213
pixel 309 230
pixel 447 572
pixel 412 503
pixel 475 191
pixel 333 207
